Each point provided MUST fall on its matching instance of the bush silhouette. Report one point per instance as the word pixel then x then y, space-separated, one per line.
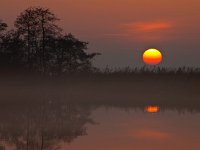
pixel 38 44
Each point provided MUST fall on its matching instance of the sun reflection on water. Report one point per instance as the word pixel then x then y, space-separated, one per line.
pixel 152 109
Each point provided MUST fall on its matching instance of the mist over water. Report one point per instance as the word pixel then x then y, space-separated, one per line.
pixel 100 113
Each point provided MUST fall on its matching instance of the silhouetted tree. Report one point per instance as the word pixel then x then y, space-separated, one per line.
pixel 12 50
pixel 25 24
pixel 68 54
pixel 3 53
pixel 38 44
pixel 35 25
pixel 3 26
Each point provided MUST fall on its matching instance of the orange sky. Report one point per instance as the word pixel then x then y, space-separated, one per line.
pixel 122 29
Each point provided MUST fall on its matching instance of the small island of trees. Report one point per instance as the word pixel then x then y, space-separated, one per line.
pixel 38 44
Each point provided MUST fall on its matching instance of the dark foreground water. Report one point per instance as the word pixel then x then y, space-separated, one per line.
pixel 72 126
pixel 128 114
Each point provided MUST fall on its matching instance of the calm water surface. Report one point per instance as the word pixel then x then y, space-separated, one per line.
pixel 118 129
pixel 104 115
pixel 54 125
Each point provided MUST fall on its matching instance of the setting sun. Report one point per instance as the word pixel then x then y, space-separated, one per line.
pixel 152 56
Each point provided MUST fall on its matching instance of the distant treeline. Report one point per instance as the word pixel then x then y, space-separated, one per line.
pixel 38 44
pixel 150 70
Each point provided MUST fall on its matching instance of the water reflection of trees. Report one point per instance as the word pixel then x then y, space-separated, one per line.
pixel 42 126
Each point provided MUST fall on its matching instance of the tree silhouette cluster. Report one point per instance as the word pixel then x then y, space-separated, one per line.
pixel 38 44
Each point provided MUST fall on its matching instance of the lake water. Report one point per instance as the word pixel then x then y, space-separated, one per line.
pixel 88 127
pixel 115 114
pixel 118 129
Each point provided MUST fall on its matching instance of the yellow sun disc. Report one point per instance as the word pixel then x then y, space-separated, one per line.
pixel 152 56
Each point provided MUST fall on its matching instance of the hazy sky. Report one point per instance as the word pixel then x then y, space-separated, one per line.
pixel 122 29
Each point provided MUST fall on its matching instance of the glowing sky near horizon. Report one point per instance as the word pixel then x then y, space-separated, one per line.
pixel 122 29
